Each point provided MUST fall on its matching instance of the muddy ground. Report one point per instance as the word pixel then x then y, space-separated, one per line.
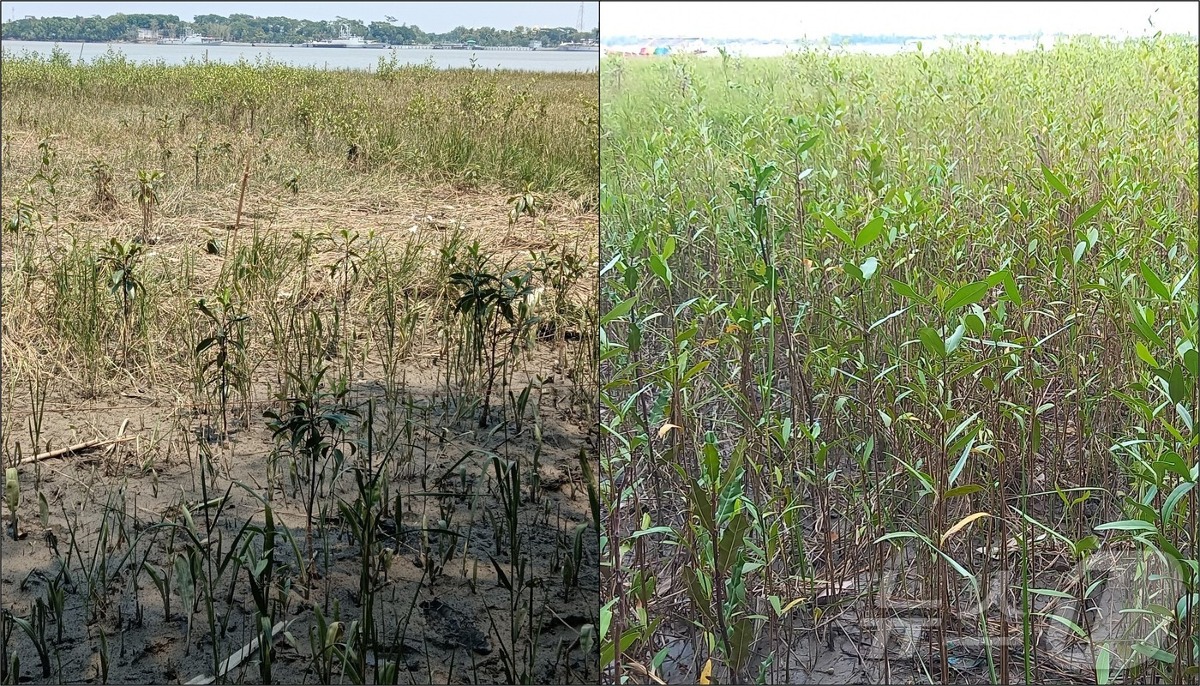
pixel 450 630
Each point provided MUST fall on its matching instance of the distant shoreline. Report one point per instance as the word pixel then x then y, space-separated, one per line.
pixel 235 44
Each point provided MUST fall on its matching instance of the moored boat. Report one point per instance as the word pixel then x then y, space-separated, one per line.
pixel 579 47
pixel 345 40
pixel 191 38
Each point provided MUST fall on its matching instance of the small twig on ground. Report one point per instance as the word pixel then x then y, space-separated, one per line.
pixel 77 448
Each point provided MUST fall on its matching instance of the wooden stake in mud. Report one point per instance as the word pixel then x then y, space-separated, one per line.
pixel 237 222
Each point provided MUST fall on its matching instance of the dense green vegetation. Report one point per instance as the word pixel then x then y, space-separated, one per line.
pixel 892 347
pixel 247 29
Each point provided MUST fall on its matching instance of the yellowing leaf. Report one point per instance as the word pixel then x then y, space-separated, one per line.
pixel 667 428
pixel 962 524
pixel 792 605
pixel 706 673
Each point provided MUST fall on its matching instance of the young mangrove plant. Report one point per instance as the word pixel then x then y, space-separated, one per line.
pixel 146 192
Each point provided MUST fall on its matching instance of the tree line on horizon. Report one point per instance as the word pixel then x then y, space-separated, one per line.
pixel 243 28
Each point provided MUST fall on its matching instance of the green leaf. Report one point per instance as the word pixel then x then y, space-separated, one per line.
pixel 1182 282
pixel 1191 361
pixel 907 291
pixel 1088 214
pixel 958 430
pixel 869 233
pixel 741 635
pixel 684 305
pixel 1103 668
pixel 1172 500
pixel 1177 385
pixel 1005 277
pixel 1127 525
pixel 608 651
pixel 809 143
pixel 702 505
pixel 832 228
pixel 1054 182
pixel 1143 327
pixel 660 269
pixel 606 614
pixel 1085 545
pixel 853 270
pixel 699 367
pixel 668 248
pixel 1050 592
pixel 732 539
pixel 1144 353
pixel 12 488
pixel 967 295
pixel 962 460
pixel 965 489
pixel 698 590
pixel 1172 462
pixel 932 340
pixel 1154 653
pixel 1155 283
pixel 650 531
pixel 1069 624
pixel 975 324
pixel 949 560
pixel 620 310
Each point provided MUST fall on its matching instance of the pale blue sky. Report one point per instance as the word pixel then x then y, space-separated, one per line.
pixel 792 20
pixel 437 17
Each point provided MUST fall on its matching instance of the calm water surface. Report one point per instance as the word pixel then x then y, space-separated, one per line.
pixel 326 58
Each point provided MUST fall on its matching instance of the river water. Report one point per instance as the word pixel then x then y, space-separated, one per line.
pixel 326 58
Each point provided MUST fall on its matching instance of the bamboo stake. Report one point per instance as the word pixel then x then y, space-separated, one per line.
pixel 237 658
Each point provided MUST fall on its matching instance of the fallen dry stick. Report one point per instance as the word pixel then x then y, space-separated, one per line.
pixel 77 448
pixel 236 659
pixel 639 667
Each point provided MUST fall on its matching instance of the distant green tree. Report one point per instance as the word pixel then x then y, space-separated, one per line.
pixel 243 27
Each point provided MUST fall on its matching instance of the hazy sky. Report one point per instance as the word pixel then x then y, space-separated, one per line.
pixel 437 17
pixel 772 20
